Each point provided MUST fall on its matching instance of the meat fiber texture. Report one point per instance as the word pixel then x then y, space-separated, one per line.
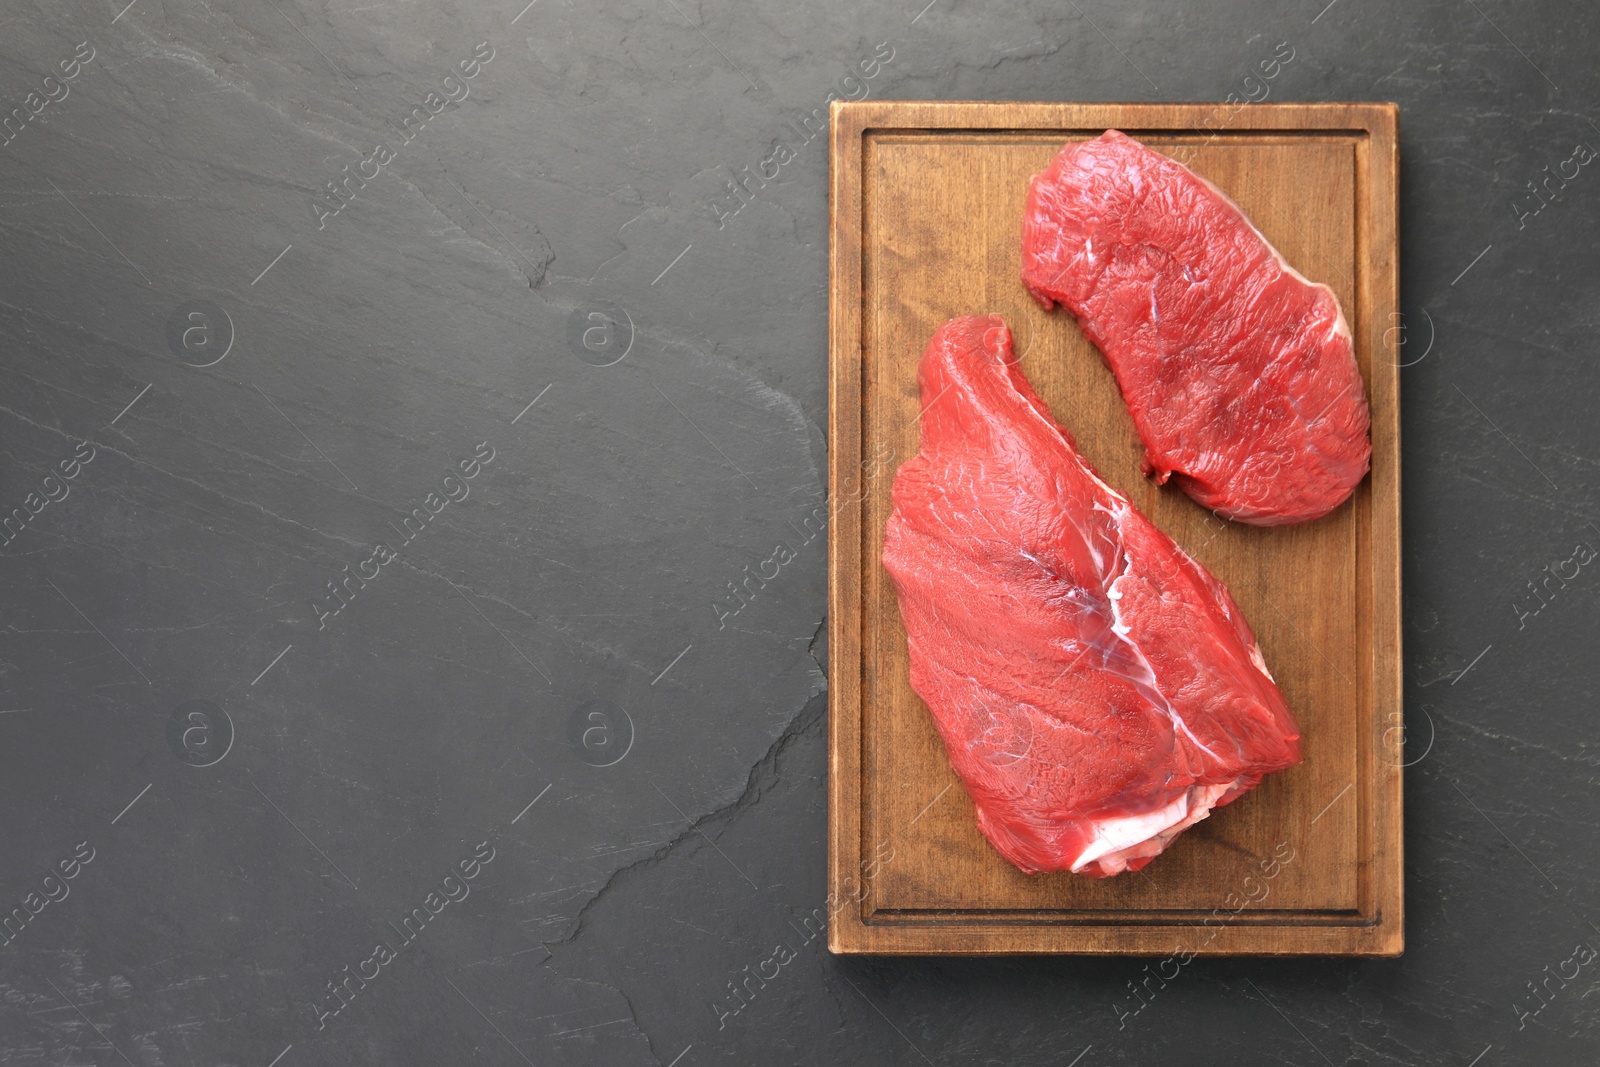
pixel 1097 690
pixel 1239 372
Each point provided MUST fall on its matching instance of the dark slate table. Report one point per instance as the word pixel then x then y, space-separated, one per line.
pixel 391 393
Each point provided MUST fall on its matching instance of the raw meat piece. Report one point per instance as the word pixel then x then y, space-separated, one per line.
pixel 1238 371
pixel 1097 690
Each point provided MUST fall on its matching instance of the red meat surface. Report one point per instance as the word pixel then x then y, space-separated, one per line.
pixel 1239 372
pixel 1097 690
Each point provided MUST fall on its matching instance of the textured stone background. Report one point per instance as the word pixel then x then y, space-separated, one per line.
pixel 247 848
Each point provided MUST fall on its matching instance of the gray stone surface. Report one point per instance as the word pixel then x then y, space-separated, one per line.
pixel 264 789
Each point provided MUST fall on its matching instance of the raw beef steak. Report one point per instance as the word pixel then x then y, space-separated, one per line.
pixel 1238 371
pixel 1097 690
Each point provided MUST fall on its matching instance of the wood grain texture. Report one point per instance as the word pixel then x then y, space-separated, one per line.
pixel 927 203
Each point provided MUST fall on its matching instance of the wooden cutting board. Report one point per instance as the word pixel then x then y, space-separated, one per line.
pixel 927 203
